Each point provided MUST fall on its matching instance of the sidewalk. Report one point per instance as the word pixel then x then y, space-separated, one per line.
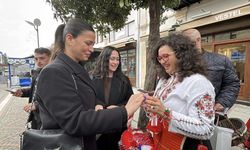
pixel 3 93
pixel 12 123
pixel 240 111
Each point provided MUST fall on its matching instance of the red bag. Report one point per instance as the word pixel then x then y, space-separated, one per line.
pixel 163 139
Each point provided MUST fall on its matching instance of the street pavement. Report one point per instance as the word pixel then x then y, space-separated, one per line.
pixel 13 118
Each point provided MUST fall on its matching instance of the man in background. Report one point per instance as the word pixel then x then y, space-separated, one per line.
pixel 42 58
pixel 221 73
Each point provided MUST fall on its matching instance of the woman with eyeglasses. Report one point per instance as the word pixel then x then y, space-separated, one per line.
pixel 181 110
pixel 67 96
pixel 113 90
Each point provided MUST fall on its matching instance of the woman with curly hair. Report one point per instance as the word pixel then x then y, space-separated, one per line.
pixel 113 89
pixel 181 109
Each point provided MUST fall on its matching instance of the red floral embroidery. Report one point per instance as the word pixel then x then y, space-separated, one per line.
pixel 205 105
pixel 166 88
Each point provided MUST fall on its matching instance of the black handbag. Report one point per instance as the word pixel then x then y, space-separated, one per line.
pixel 54 139
pixel 49 140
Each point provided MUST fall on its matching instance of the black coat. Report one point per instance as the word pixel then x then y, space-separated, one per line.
pixel 222 74
pixel 120 91
pixel 34 117
pixel 67 99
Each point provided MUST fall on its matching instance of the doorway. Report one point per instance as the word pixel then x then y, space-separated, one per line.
pixel 239 53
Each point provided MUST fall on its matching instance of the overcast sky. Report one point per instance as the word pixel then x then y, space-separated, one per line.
pixel 18 38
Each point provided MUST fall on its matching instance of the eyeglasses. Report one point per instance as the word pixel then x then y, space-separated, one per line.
pixel 114 58
pixel 164 57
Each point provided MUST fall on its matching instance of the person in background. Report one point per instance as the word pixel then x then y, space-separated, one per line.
pixel 42 57
pixel 183 102
pixel 67 96
pixel 113 89
pixel 221 73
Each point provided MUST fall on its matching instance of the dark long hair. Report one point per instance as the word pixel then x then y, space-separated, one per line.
pixel 101 69
pixel 74 27
pixel 58 43
pixel 189 58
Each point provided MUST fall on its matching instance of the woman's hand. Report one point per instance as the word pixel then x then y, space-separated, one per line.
pixel 154 105
pixel 134 103
pixel 111 106
pixel 98 107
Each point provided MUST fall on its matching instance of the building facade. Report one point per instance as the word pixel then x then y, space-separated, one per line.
pixel 224 26
pixel 225 29
pixel 125 40
pixel 132 41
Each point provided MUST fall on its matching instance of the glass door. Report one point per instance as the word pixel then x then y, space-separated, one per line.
pixel 237 53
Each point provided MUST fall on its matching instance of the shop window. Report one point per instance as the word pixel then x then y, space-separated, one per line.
pixel 124 61
pixel 207 47
pixel 206 43
pixel 206 39
pixel 127 30
pixel 131 63
pixel 131 28
pixel 240 34
pixel 222 37
pixel 237 54
pixel 128 63
pixel 121 33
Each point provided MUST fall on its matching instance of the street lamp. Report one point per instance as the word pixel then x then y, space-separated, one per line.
pixel 35 24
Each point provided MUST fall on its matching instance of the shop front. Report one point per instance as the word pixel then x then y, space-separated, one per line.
pixel 235 44
pixel 128 61
pixel 228 33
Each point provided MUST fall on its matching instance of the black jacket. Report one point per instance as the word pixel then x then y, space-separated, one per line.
pixel 120 91
pixel 28 92
pixel 119 94
pixel 222 74
pixel 67 99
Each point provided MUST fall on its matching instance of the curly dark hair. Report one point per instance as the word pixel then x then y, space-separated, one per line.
pixel 189 58
pixel 101 69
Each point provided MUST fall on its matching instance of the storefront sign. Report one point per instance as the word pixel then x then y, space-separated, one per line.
pixel 228 15
pixel 20 61
pixel 242 11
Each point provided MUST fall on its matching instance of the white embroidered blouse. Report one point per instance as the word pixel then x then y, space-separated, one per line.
pixel 191 102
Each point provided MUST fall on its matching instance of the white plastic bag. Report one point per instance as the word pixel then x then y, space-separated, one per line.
pixel 222 138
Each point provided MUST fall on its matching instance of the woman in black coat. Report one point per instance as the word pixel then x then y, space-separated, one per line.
pixel 113 89
pixel 66 95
